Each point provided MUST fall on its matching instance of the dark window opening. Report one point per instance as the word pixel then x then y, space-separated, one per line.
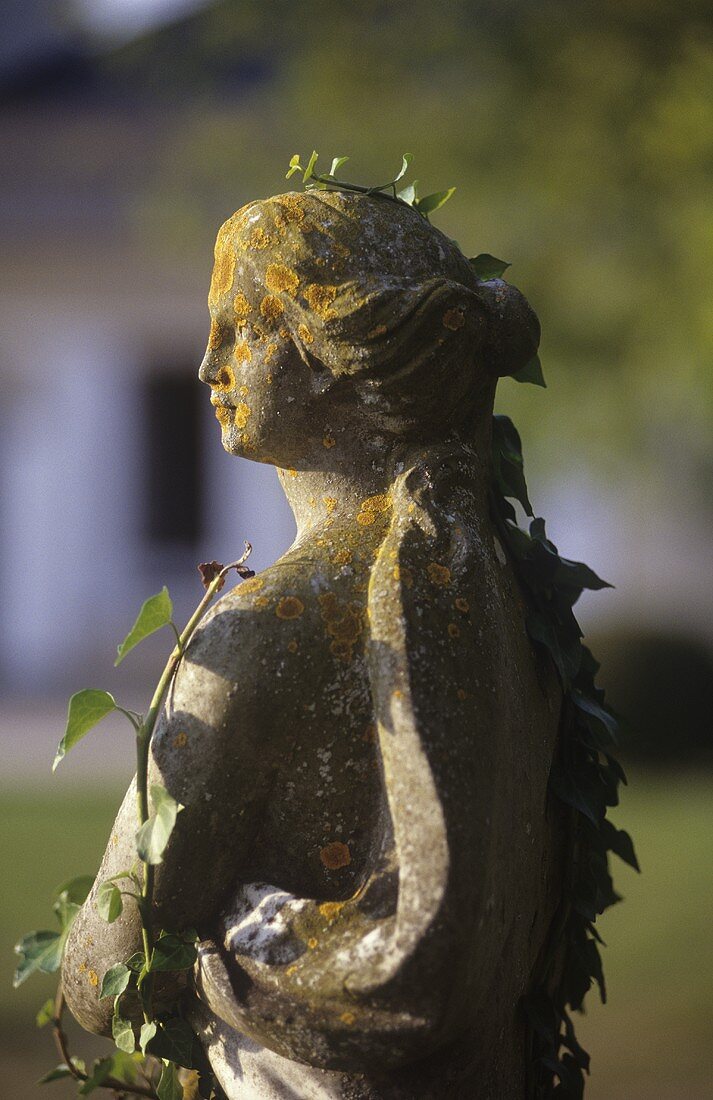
pixel 173 472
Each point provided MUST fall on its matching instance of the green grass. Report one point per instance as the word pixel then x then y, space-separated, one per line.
pixel 653 1041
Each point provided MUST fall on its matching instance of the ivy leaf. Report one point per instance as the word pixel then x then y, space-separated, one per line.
pixel 169 1086
pixel 568 789
pixel 619 842
pixel 86 708
pixel 592 709
pixel 337 164
pixel 147 1033
pixel 309 170
pixel 76 889
pixel 45 1014
pixel 39 951
pixel 175 1042
pixel 295 166
pixel 121 1030
pixel 153 836
pixel 156 611
pixel 65 911
pixel 409 195
pixel 136 961
pixel 115 981
pixel 61 1071
pixel 532 373
pixel 173 953
pixel 488 267
pixel 430 203
pixel 405 161
pixel 109 902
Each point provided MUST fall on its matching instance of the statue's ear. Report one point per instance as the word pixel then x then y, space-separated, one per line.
pixel 513 328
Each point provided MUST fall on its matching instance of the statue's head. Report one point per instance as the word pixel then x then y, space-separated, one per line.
pixel 342 320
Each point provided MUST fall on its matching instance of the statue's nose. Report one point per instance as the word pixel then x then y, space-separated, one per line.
pixel 207 371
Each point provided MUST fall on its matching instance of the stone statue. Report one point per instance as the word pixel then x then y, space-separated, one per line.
pixel 361 735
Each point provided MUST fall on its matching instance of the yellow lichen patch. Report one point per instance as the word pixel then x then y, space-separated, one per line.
pixel 341 650
pixel 411 508
pixel 347 1018
pixel 453 319
pixel 453 630
pixel 242 307
pixel 93 977
pixel 252 584
pixel 292 646
pixel 215 336
pixel 365 519
pixel 304 334
pixel 397 694
pixel 291 970
pixel 439 574
pixel 284 334
pixel 261 602
pixel 289 607
pixel 258 239
pixel 330 504
pixel 462 604
pixel 320 298
pixel 371 507
pixel 331 909
pixel 379 330
pixel 292 473
pixel 312 943
pixel 223 272
pixel 292 208
pixel 224 416
pixel 242 353
pixel 328 441
pixel 269 353
pixel 242 413
pixel 335 855
pixel 369 733
pixel 462 694
pixel 341 557
pixel 271 307
pixel 82 968
pixel 243 391
pixel 404 574
pixel 344 624
pixel 225 379
pixel 180 740
pixel 279 277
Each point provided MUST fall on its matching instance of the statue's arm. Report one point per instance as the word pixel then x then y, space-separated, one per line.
pixel 209 753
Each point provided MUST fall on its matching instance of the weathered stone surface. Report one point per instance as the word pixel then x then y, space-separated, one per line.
pixel 361 734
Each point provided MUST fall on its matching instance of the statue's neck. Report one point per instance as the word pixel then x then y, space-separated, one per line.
pixel 319 496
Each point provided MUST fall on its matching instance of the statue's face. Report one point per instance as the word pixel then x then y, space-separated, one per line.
pixel 263 392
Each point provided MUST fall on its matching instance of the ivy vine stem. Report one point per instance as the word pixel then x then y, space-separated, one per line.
pixel 143 744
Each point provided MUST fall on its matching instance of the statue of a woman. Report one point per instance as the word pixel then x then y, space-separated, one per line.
pixel 361 735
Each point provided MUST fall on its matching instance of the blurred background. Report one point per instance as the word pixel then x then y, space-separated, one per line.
pixel 579 136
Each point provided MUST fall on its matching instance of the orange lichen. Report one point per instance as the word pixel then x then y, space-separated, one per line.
pixel 304 334
pixel 242 307
pixel 278 277
pixel 252 584
pixel 331 909
pixel 347 1018
pixel 261 602
pixel 330 504
pixel 328 441
pixel 292 646
pixel 341 557
pixel 269 353
pixel 225 379
pixel 291 207
pixel 344 624
pixel 223 271
pixel 93 977
pixel 224 416
pixel 365 519
pixel 242 413
pixel 462 694
pixel 454 630
pixel 462 604
pixel 404 574
pixel 312 943
pixel 289 607
pixel 335 855
pixel 215 336
pixel 292 473
pixel 242 353
pixel 271 307
pixel 320 298
pixel 439 574
pixel 453 319
pixel 258 239
pixel 379 330
pixel 369 733
pixel 180 740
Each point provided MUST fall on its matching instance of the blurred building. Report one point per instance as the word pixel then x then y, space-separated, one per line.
pixel 112 478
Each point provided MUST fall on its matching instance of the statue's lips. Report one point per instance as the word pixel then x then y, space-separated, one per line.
pixel 218 404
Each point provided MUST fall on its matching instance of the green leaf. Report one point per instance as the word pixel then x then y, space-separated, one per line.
pixel 430 203
pixel 65 911
pixel 39 951
pixel 121 1066
pixel 169 1087
pixel 147 1033
pixel 121 1030
pixel 153 836
pixel 175 1042
pixel 173 953
pixel 309 170
pixel 532 373
pixel 115 980
pixel 619 842
pixel 46 1013
pixel 75 889
pixel 86 708
pixel 155 612
pixel 337 164
pixel 61 1071
pixel 488 267
pixel 405 161
pixel 409 195
pixel 295 166
pixel 108 902
pixel 136 961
